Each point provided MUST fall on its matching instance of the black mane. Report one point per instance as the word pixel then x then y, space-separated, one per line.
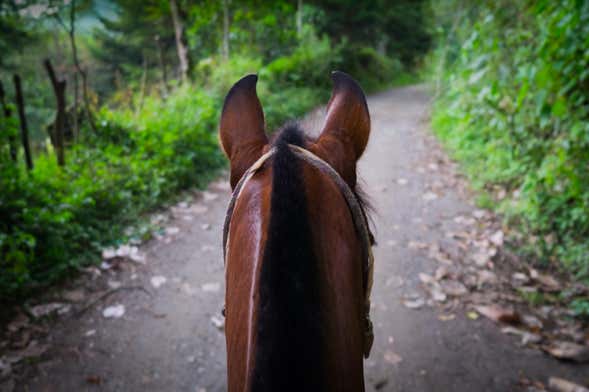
pixel 289 333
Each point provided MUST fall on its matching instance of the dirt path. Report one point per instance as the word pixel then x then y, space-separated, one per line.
pixel 168 342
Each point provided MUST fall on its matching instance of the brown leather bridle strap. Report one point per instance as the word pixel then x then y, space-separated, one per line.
pixel 236 193
pixel 358 218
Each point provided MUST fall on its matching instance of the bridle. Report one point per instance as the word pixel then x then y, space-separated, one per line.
pixel 358 217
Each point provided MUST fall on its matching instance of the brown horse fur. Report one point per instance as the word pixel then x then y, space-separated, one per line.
pixel 294 296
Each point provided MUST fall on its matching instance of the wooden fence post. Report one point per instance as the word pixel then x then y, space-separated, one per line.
pixel 7 115
pixel 58 133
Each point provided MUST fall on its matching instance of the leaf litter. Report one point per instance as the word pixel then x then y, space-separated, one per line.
pixel 158 281
pixel 475 267
pixel 26 332
pixel 115 311
pixel 561 385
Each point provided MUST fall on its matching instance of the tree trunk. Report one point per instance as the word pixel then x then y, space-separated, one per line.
pixel 160 56
pixel 24 130
pixel 85 93
pixel 7 114
pixel 299 18
pixel 142 88
pixel 82 73
pixel 58 132
pixel 71 31
pixel 381 46
pixel 225 49
pixel 75 120
pixel 180 41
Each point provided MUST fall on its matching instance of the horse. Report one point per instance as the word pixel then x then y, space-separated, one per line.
pixel 298 265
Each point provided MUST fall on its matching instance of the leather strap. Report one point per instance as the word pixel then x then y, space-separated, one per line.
pixel 358 217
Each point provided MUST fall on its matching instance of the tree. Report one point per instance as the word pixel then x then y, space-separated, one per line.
pixel 124 42
pixel 180 40
pixel 17 30
pixel 56 10
pixel 226 21
pixel 59 123
pixel 397 26
pixel 24 130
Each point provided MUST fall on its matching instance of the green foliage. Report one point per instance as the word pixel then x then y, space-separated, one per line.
pixel 396 28
pixel 513 106
pixel 580 307
pixel 16 28
pixel 373 69
pixel 308 65
pixel 155 134
pixel 55 219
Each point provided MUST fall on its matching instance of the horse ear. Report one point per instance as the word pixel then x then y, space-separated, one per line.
pixel 347 127
pixel 241 128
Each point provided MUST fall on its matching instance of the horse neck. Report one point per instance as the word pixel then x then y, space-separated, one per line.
pixel 296 348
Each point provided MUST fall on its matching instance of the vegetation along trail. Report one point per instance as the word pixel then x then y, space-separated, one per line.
pixel 172 339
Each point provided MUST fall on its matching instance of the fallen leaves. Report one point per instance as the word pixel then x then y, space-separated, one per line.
pixel 45 310
pixel 218 322
pixel 561 385
pixel 446 317
pixel 209 196
pixel 437 293
pixel 5 369
pixel 76 295
pixel 453 288
pixel 425 278
pixel 392 357
pixel 32 351
pixel 499 314
pixel 19 322
pixel 472 315
pixel 485 277
pixel 413 302
pixel 417 245
pixel 555 384
pixel 158 281
pixel 172 230
pixel 26 336
pixel 441 273
pixel 497 238
pixel 481 259
pixel 115 311
pixel 94 380
pixel 526 336
pixel 568 351
pixel 548 282
pixel 125 251
pixel 475 269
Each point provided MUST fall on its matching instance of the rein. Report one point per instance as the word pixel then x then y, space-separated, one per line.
pixel 358 217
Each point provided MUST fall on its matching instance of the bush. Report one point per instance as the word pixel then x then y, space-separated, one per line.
pixel 308 66
pixel 372 69
pixel 54 220
pixel 513 106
